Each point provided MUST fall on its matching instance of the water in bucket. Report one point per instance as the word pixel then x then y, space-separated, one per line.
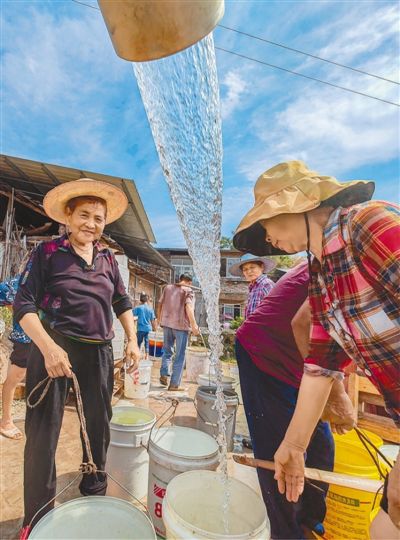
pixel 174 450
pixel 192 509
pixel 94 518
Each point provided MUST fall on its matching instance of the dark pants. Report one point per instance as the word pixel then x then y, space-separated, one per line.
pixel 94 368
pixel 143 336
pixel 269 405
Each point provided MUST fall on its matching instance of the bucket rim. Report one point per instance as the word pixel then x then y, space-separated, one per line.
pixel 134 426
pixel 154 444
pixel 203 532
pixel 92 499
pixel 209 391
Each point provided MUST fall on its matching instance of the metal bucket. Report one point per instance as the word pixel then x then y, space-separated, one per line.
pixel 207 415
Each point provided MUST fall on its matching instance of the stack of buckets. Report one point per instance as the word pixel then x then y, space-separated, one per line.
pixel 144 458
pixel 349 510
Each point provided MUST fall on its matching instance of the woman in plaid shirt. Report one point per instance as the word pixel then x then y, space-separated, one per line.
pixel 354 292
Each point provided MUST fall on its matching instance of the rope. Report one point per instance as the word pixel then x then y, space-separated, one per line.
pixel 88 467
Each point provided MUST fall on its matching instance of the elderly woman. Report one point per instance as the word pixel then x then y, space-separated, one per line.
pixel 64 305
pixel 353 295
pixel 254 270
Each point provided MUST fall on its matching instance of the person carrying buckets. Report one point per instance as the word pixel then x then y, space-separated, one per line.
pixel 353 294
pixel 146 321
pixel 176 316
pixel 64 302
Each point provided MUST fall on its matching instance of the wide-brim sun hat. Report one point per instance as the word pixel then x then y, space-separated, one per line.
pixel 236 269
pixel 55 201
pixel 292 188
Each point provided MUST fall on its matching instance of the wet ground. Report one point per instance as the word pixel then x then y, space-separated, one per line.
pixel 68 456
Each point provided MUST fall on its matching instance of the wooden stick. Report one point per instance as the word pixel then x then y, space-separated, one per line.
pixel 344 480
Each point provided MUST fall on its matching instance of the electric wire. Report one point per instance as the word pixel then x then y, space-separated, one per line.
pixel 308 77
pixel 283 46
pixel 298 74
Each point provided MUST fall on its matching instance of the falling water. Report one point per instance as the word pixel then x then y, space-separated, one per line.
pixel 181 98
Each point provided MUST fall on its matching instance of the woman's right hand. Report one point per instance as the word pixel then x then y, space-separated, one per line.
pixel 56 361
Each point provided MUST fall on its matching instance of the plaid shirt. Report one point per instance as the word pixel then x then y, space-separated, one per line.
pixel 258 290
pixel 355 298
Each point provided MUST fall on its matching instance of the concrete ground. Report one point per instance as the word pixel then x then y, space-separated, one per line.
pixel 68 456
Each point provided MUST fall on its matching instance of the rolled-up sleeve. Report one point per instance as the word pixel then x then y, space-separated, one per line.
pixel 189 299
pixel 120 301
pixel 31 285
pixel 325 357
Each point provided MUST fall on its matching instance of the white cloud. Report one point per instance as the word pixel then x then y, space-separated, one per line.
pixel 334 131
pixel 167 230
pixel 235 89
pixel 236 201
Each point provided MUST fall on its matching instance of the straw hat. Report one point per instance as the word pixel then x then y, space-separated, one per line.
pixel 292 188
pixel 57 198
pixel 236 269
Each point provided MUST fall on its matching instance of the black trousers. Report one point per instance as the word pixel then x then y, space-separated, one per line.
pixel 269 405
pixel 94 368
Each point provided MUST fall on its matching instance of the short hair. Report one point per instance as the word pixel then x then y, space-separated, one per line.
pixel 143 298
pixel 76 201
pixel 186 277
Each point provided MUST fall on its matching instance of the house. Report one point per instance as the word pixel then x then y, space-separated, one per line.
pixel 233 294
pixel 23 224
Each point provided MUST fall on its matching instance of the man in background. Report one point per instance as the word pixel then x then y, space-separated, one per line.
pixel 176 316
pixel 145 323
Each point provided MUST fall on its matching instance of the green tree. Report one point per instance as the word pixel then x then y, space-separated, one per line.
pixel 226 242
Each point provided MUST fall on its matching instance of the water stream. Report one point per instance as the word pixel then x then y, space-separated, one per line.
pixel 181 98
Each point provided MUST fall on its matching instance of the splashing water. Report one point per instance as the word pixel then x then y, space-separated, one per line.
pixel 181 98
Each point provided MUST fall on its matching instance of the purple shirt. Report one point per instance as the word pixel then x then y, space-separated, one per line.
pixel 267 334
pixel 74 298
pixel 258 290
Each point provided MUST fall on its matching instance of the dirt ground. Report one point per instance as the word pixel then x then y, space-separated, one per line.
pixel 68 456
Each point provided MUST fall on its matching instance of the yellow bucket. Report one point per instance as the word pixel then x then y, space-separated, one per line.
pixel 348 510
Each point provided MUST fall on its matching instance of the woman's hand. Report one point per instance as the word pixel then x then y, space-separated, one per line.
pixel 339 412
pixel 289 470
pixel 56 361
pixel 132 355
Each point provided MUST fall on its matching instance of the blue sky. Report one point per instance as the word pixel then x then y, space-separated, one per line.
pixel 68 99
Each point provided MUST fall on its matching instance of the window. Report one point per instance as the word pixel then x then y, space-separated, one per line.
pixel 183 266
pixel 230 312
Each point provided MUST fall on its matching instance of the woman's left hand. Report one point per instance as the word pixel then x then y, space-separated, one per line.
pixel 132 356
pixel 289 470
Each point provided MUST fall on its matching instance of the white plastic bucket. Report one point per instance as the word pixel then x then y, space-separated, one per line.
pixel 207 415
pixel 94 517
pixel 127 457
pixel 193 508
pixel 174 450
pixel 197 362
pixel 205 379
pixel 137 385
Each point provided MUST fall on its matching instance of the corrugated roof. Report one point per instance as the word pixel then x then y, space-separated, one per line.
pixel 133 230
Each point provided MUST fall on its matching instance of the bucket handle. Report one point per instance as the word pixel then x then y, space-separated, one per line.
pixel 174 405
pixel 65 488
